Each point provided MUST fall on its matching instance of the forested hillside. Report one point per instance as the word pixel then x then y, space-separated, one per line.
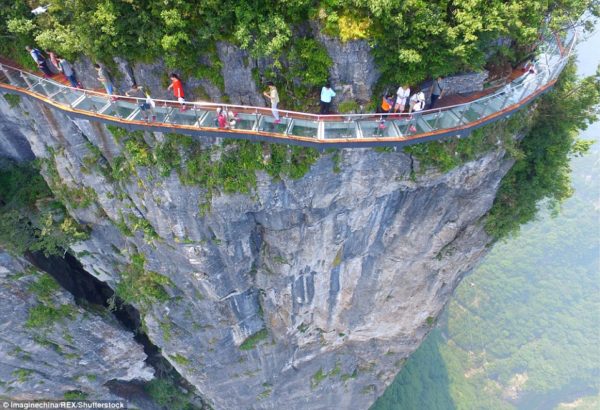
pixel 522 331
pixel 518 335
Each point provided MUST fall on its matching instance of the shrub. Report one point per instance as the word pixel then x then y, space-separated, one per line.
pixel 251 342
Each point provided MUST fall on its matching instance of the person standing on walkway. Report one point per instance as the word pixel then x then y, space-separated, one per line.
pixel 144 101
pixel 53 59
pixel 273 96
pixel 40 61
pixel 104 78
pixel 401 97
pixel 177 87
pixel 326 95
pixel 65 67
pixel 417 102
pixel 437 91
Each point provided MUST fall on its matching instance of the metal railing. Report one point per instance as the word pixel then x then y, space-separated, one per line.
pixel 298 127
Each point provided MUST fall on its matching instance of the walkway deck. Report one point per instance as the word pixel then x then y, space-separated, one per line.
pixel 321 131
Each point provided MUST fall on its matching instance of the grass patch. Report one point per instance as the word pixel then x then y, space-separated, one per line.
pixel 13 100
pixel 142 287
pixel 31 219
pixel 41 316
pixel 317 378
pixel 22 375
pixel 179 359
pixel 44 287
pixel 75 395
pixel 167 394
pixel 251 342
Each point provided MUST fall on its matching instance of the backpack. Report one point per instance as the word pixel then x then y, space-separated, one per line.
pixel 39 58
pixel 385 105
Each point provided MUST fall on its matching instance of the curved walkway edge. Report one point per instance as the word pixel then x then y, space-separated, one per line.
pixel 319 131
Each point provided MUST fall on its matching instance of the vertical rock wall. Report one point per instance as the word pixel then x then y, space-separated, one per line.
pixel 44 358
pixel 306 293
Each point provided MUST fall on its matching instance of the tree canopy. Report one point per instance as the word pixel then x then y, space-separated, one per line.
pixel 411 39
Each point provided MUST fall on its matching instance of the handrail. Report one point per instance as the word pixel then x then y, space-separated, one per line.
pixel 334 129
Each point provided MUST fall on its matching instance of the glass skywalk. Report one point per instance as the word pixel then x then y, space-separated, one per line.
pixel 352 130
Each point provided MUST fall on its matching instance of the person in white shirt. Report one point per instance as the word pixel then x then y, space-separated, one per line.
pixel 401 97
pixel 326 95
pixel 273 96
pixel 417 102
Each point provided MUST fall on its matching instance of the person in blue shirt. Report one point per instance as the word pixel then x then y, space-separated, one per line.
pixel 40 61
pixel 326 95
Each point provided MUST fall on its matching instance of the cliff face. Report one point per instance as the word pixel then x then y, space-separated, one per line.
pixel 51 347
pixel 306 293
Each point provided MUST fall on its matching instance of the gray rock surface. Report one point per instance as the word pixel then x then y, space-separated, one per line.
pixel 337 276
pixel 353 74
pixel 81 351
pixel 13 144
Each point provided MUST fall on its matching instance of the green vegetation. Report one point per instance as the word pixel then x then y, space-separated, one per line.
pixel 253 340
pixel 141 287
pixel 44 315
pixel 179 359
pixel 166 393
pixel 13 100
pixel 228 168
pixel 437 35
pixel 446 155
pixel 542 172
pixel 320 375
pixel 317 378
pixel 75 395
pixel 31 219
pixel 525 321
pixel 348 107
pixel 22 375
pixel 44 287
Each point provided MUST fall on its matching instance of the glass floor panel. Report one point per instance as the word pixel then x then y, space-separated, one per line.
pixel 67 96
pixel 120 109
pixel 406 126
pixel 267 124
pixel 340 129
pixel 38 87
pixel 14 78
pixel 448 119
pixel 304 128
pixel 473 112
pixel 210 120
pixel 245 121
pixel 187 117
pixel 90 103
pixel 373 129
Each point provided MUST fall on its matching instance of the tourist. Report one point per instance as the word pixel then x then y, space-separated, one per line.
pixel 104 78
pixel 326 95
pixel 177 87
pixel 221 118
pixel 40 61
pixel 53 59
pixel 437 91
pixel 273 96
pixel 145 102
pixel 417 102
pixel 401 98
pixel 65 67
pixel 386 103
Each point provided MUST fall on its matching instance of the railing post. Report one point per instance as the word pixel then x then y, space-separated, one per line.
pixel 8 75
pixel 24 77
pixel 320 129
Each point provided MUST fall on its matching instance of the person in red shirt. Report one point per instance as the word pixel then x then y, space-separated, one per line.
pixel 177 87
